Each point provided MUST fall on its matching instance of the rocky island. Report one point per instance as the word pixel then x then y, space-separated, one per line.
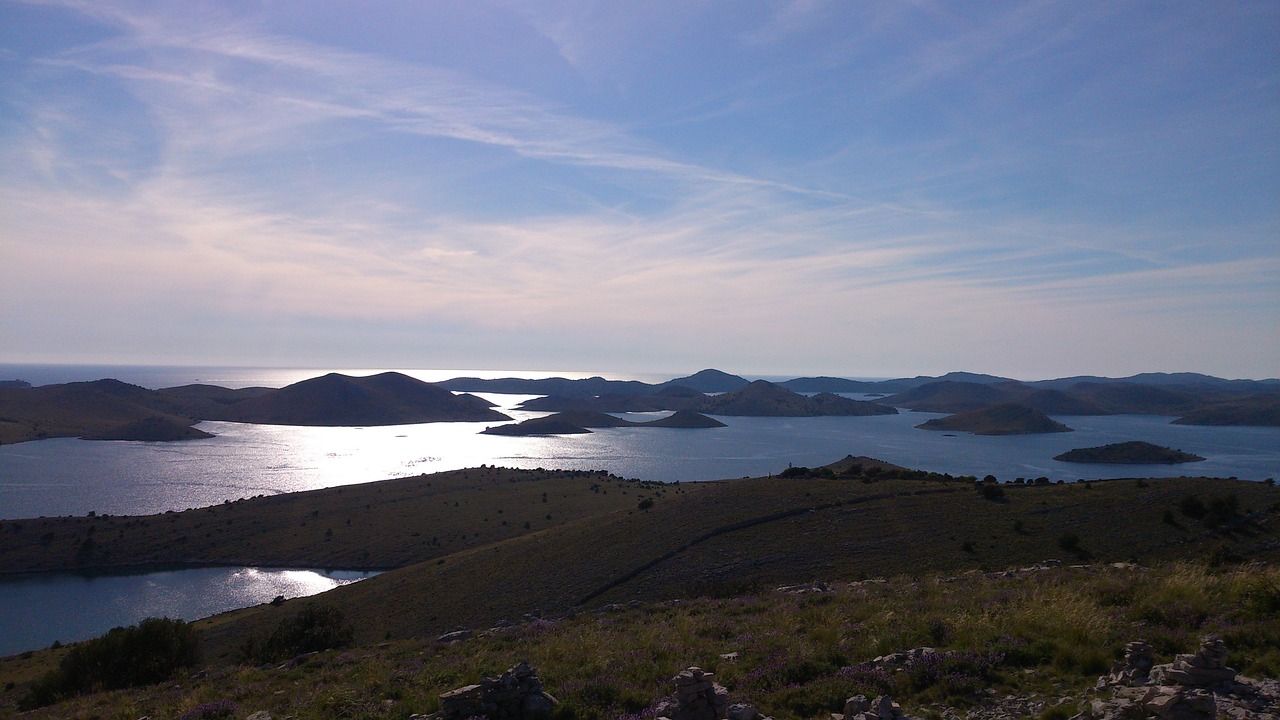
pixel 1134 452
pixel 1008 419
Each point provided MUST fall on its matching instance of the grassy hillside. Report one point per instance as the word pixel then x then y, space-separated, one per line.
pixel 1028 641
pixel 372 525
pixel 612 542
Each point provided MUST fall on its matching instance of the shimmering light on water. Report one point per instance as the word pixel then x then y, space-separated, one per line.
pixel 72 477
pixel 88 606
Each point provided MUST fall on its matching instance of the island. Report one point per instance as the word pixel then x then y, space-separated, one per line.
pixel 156 428
pixel 1134 452
pixel 765 399
pixel 576 422
pixel 1006 419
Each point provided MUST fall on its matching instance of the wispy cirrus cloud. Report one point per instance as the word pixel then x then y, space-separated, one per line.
pixel 258 174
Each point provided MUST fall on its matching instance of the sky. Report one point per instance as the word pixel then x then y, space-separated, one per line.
pixel 862 189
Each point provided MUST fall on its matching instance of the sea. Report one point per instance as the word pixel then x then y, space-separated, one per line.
pixel 68 476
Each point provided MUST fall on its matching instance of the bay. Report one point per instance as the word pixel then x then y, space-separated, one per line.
pixel 40 609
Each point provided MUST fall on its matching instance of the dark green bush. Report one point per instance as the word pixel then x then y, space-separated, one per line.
pixel 1192 507
pixel 312 629
pixel 1221 508
pixel 143 654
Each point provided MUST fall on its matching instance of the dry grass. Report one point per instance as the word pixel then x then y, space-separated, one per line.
pixel 1045 634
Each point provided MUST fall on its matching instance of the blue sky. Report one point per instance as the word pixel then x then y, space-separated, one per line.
pixel 847 188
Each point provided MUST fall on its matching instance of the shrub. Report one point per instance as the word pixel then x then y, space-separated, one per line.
pixel 313 629
pixel 1192 507
pixel 992 492
pixel 1221 508
pixel 1069 541
pixel 142 654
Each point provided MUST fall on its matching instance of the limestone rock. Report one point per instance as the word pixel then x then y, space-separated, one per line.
pixel 516 695
pixel 1208 666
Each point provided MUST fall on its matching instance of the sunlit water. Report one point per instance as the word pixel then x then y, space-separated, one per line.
pixel 36 610
pixel 73 477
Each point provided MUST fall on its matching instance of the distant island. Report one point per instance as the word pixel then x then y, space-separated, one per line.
pixel 110 408
pixel 765 399
pixel 1134 452
pixel 113 410
pixel 1008 419
pixel 578 422
pixel 156 428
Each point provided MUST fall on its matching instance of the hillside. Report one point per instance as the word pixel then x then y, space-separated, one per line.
pixel 1258 411
pixel 390 523
pixel 463 548
pixel 1008 419
pixel 1029 642
pixel 100 407
pixel 466 560
pixel 1134 452
pixel 737 536
pixel 156 428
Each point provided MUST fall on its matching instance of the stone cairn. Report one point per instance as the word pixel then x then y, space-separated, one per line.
pixel 517 695
pixel 697 697
pixel 1208 666
pixel 859 707
pixel 1139 658
pixel 1196 686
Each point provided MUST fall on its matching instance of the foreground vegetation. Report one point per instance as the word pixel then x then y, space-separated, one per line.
pixel 1042 633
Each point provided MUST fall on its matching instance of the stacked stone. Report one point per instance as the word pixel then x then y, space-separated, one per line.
pixel 516 695
pixel 698 697
pixel 883 707
pixel 1176 703
pixel 463 702
pixel 1207 667
pixel 1135 669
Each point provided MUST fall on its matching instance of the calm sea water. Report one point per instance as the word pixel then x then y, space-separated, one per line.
pixel 67 476
pixel 72 477
pixel 88 606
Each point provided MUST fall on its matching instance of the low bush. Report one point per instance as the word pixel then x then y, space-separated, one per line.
pixel 143 654
pixel 312 629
